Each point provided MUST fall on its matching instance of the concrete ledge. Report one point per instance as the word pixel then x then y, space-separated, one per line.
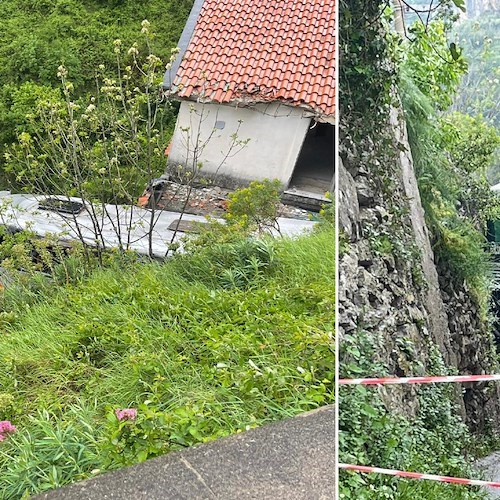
pixel 291 459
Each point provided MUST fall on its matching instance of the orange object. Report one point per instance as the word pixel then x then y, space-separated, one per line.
pixel 143 200
pixel 262 51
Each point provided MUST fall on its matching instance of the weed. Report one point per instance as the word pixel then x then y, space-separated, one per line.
pixel 198 353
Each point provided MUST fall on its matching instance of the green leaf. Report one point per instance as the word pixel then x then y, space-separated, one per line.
pixel 455 51
pixel 460 4
pixel 369 410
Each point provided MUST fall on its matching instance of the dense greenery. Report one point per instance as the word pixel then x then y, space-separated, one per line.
pixel 38 36
pixel 451 153
pixel 480 88
pixel 103 147
pixel 431 442
pixel 479 93
pixel 107 360
pixel 198 353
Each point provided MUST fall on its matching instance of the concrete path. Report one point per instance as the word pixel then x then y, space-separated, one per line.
pixel 490 467
pixel 292 459
pixel 117 224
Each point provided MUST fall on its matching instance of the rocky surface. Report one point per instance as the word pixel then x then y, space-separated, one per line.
pixel 392 292
pixel 210 200
pixel 474 351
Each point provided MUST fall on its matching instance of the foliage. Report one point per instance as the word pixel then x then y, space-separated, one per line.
pixel 255 207
pixel 430 65
pixel 105 146
pixel 102 148
pixel 469 141
pixel 374 433
pixel 479 92
pixel 198 359
pixel 38 36
pixel 456 201
pixel 236 264
pixel 50 453
pixel 250 212
pixel 366 77
pixel 460 247
pixel 327 214
pixel 451 153
pixel 17 103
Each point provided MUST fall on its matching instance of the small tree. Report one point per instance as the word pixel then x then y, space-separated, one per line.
pixel 103 149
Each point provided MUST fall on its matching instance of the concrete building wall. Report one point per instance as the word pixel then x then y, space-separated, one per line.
pixel 205 133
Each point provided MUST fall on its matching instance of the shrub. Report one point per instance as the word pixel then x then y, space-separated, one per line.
pixel 255 207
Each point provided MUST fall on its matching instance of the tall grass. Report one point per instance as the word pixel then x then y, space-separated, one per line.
pixel 458 245
pixel 229 357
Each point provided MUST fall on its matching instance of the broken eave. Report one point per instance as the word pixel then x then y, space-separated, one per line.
pixel 247 101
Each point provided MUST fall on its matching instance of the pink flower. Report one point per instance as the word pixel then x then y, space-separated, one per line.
pixel 6 427
pixel 126 414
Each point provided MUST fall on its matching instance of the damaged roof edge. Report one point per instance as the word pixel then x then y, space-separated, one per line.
pixel 309 111
pixel 184 40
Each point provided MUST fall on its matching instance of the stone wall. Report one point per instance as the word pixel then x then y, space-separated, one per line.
pixel 390 288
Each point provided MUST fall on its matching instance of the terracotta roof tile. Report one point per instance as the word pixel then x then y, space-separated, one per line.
pixel 262 51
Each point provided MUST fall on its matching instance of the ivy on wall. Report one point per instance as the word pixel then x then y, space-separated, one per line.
pixel 372 74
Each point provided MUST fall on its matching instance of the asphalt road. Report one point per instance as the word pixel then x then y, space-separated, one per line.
pixel 490 466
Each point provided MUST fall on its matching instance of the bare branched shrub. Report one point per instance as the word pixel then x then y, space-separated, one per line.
pixel 101 150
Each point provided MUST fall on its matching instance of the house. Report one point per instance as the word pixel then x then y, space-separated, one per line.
pixel 256 81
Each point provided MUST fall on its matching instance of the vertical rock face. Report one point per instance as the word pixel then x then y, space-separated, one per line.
pixel 390 288
pixel 436 316
pixel 474 351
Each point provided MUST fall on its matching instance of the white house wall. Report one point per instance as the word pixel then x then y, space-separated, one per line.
pixel 275 134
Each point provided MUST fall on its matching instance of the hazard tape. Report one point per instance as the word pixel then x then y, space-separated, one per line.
pixel 416 475
pixel 417 380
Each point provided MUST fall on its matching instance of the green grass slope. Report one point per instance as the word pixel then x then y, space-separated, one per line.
pixel 199 358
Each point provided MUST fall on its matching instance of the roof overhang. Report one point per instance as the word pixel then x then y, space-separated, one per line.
pixel 187 34
pixel 247 102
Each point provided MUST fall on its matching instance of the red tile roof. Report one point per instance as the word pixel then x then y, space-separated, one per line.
pixel 262 50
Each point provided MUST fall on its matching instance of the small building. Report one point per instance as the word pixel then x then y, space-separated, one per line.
pixel 256 81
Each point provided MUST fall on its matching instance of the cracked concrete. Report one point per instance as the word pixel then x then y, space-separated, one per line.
pixel 291 459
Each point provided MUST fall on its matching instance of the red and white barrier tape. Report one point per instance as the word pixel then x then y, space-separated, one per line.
pixel 416 475
pixel 417 380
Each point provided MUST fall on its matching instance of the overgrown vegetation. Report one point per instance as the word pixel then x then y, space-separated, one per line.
pixel 103 147
pixel 108 359
pixel 40 35
pixel 451 153
pixel 431 441
pixel 210 343
pixel 479 92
